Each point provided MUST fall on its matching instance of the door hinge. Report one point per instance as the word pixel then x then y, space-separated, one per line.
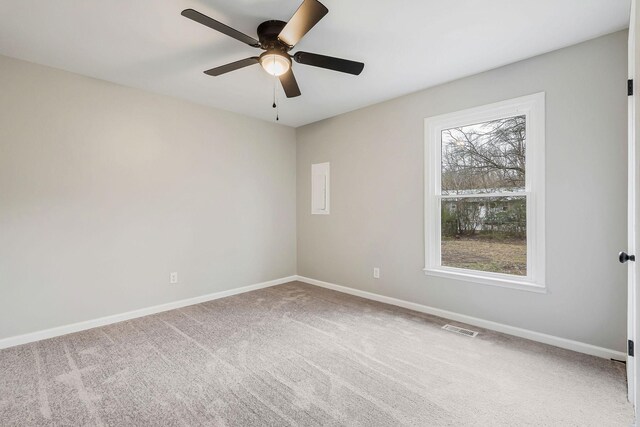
pixel 630 87
pixel 630 348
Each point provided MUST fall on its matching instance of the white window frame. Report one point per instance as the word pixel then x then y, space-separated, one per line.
pixel 533 107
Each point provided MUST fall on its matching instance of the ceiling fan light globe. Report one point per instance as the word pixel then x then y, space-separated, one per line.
pixel 275 64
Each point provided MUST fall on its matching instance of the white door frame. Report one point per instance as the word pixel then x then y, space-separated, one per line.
pixel 632 210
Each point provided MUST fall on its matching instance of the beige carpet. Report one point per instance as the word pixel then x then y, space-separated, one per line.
pixel 301 355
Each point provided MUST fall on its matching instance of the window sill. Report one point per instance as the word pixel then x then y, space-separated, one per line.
pixel 486 280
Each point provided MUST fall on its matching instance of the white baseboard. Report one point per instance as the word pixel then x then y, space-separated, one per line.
pixel 487 324
pixel 511 330
pixel 107 320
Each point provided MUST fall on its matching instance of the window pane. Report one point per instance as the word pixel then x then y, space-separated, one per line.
pixel 485 157
pixel 485 233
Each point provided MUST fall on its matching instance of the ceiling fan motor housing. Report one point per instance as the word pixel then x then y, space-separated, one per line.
pixel 268 33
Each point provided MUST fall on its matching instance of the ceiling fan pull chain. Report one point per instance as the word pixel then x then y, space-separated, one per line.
pixel 275 105
pixel 274 92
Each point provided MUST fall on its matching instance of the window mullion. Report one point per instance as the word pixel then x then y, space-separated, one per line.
pixel 483 195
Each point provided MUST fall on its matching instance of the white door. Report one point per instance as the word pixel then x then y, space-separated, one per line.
pixel 633 211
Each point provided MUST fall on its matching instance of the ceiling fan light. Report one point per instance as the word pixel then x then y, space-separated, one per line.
pixel 275 64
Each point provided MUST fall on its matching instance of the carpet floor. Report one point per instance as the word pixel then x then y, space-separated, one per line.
pixel 296 354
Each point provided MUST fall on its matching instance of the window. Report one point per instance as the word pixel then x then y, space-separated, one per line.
pixel 484 194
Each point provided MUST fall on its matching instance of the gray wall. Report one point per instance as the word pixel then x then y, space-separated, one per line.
pixel 376 219
pixel 105 190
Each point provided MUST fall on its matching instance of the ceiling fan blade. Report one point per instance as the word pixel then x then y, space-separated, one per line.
pixel 322 61
pixel 289 84
pixel 307 15
pixel 232 66
pixel 219 26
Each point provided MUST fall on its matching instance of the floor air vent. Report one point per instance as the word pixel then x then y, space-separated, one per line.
pixel 461 331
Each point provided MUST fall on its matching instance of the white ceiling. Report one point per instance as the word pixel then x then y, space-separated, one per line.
pixel 406 45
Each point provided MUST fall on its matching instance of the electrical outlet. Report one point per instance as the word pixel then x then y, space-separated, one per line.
pixel 173 278
pixel 376 273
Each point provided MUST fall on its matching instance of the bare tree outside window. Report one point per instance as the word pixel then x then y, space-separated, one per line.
pixel 483 218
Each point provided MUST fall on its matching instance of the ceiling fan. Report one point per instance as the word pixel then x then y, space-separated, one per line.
pixel 277 38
